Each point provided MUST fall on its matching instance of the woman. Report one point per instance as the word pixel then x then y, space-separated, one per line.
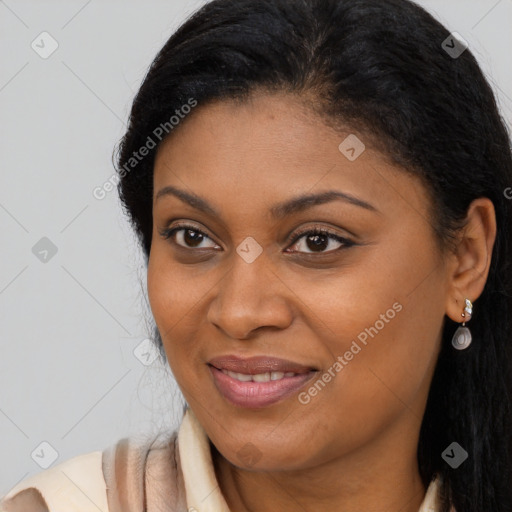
pixel 321 190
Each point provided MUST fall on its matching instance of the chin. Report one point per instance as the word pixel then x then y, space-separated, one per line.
pixel 263 455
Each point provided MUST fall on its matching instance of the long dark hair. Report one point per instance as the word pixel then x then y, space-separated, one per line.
pixel 379 66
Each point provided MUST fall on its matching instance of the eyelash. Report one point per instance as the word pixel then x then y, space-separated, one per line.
pixel 168 233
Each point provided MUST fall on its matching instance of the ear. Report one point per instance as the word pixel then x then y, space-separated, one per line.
pixel 471 260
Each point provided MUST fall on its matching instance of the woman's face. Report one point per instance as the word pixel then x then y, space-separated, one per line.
pixel 355 314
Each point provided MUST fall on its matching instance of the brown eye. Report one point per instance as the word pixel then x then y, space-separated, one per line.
pixel 318 240
pixel 186 236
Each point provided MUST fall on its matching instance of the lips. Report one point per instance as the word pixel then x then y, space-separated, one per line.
pixel 258 365
pixel 259 381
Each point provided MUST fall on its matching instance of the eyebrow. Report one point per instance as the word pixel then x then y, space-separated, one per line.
pixel 279 210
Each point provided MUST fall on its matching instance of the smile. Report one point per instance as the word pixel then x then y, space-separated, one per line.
pixel 258 390
pixel 259 377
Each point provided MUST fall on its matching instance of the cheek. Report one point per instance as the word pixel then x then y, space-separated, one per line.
pixel 158 289
pixel 176 297
pixel 385 313
pixel 166 299
pixel 174 294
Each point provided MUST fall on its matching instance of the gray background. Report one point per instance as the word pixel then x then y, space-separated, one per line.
pixel 72 323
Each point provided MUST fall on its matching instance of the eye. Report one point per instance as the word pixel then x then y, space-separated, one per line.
pixel 318 239
pixel 187 236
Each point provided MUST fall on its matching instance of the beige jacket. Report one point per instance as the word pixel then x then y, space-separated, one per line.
pixel 176 476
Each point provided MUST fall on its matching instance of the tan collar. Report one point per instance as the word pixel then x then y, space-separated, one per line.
pixel 201 487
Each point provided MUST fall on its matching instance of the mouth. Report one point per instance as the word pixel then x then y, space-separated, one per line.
pixel 260 381
pixel 258 377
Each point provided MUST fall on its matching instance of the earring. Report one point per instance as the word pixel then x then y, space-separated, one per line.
pixel 462 336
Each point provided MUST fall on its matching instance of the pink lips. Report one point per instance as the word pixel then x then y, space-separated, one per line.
pixel 252 394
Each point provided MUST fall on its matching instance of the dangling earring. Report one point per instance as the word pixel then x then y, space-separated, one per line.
pixel 462 336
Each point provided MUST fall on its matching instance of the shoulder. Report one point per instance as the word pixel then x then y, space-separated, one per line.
pixel 144 475
pixel 75 484
pixel 124 476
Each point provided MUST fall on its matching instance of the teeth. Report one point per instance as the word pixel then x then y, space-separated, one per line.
pixel 260 377
pixel 238 376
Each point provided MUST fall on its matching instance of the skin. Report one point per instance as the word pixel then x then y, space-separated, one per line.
pixel 353 446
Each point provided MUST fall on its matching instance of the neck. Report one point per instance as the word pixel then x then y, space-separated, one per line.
pixel 381 476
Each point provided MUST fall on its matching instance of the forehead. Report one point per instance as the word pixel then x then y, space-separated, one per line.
pixel 274 146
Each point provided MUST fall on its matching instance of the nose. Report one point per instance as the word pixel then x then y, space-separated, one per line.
pixel 250 296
